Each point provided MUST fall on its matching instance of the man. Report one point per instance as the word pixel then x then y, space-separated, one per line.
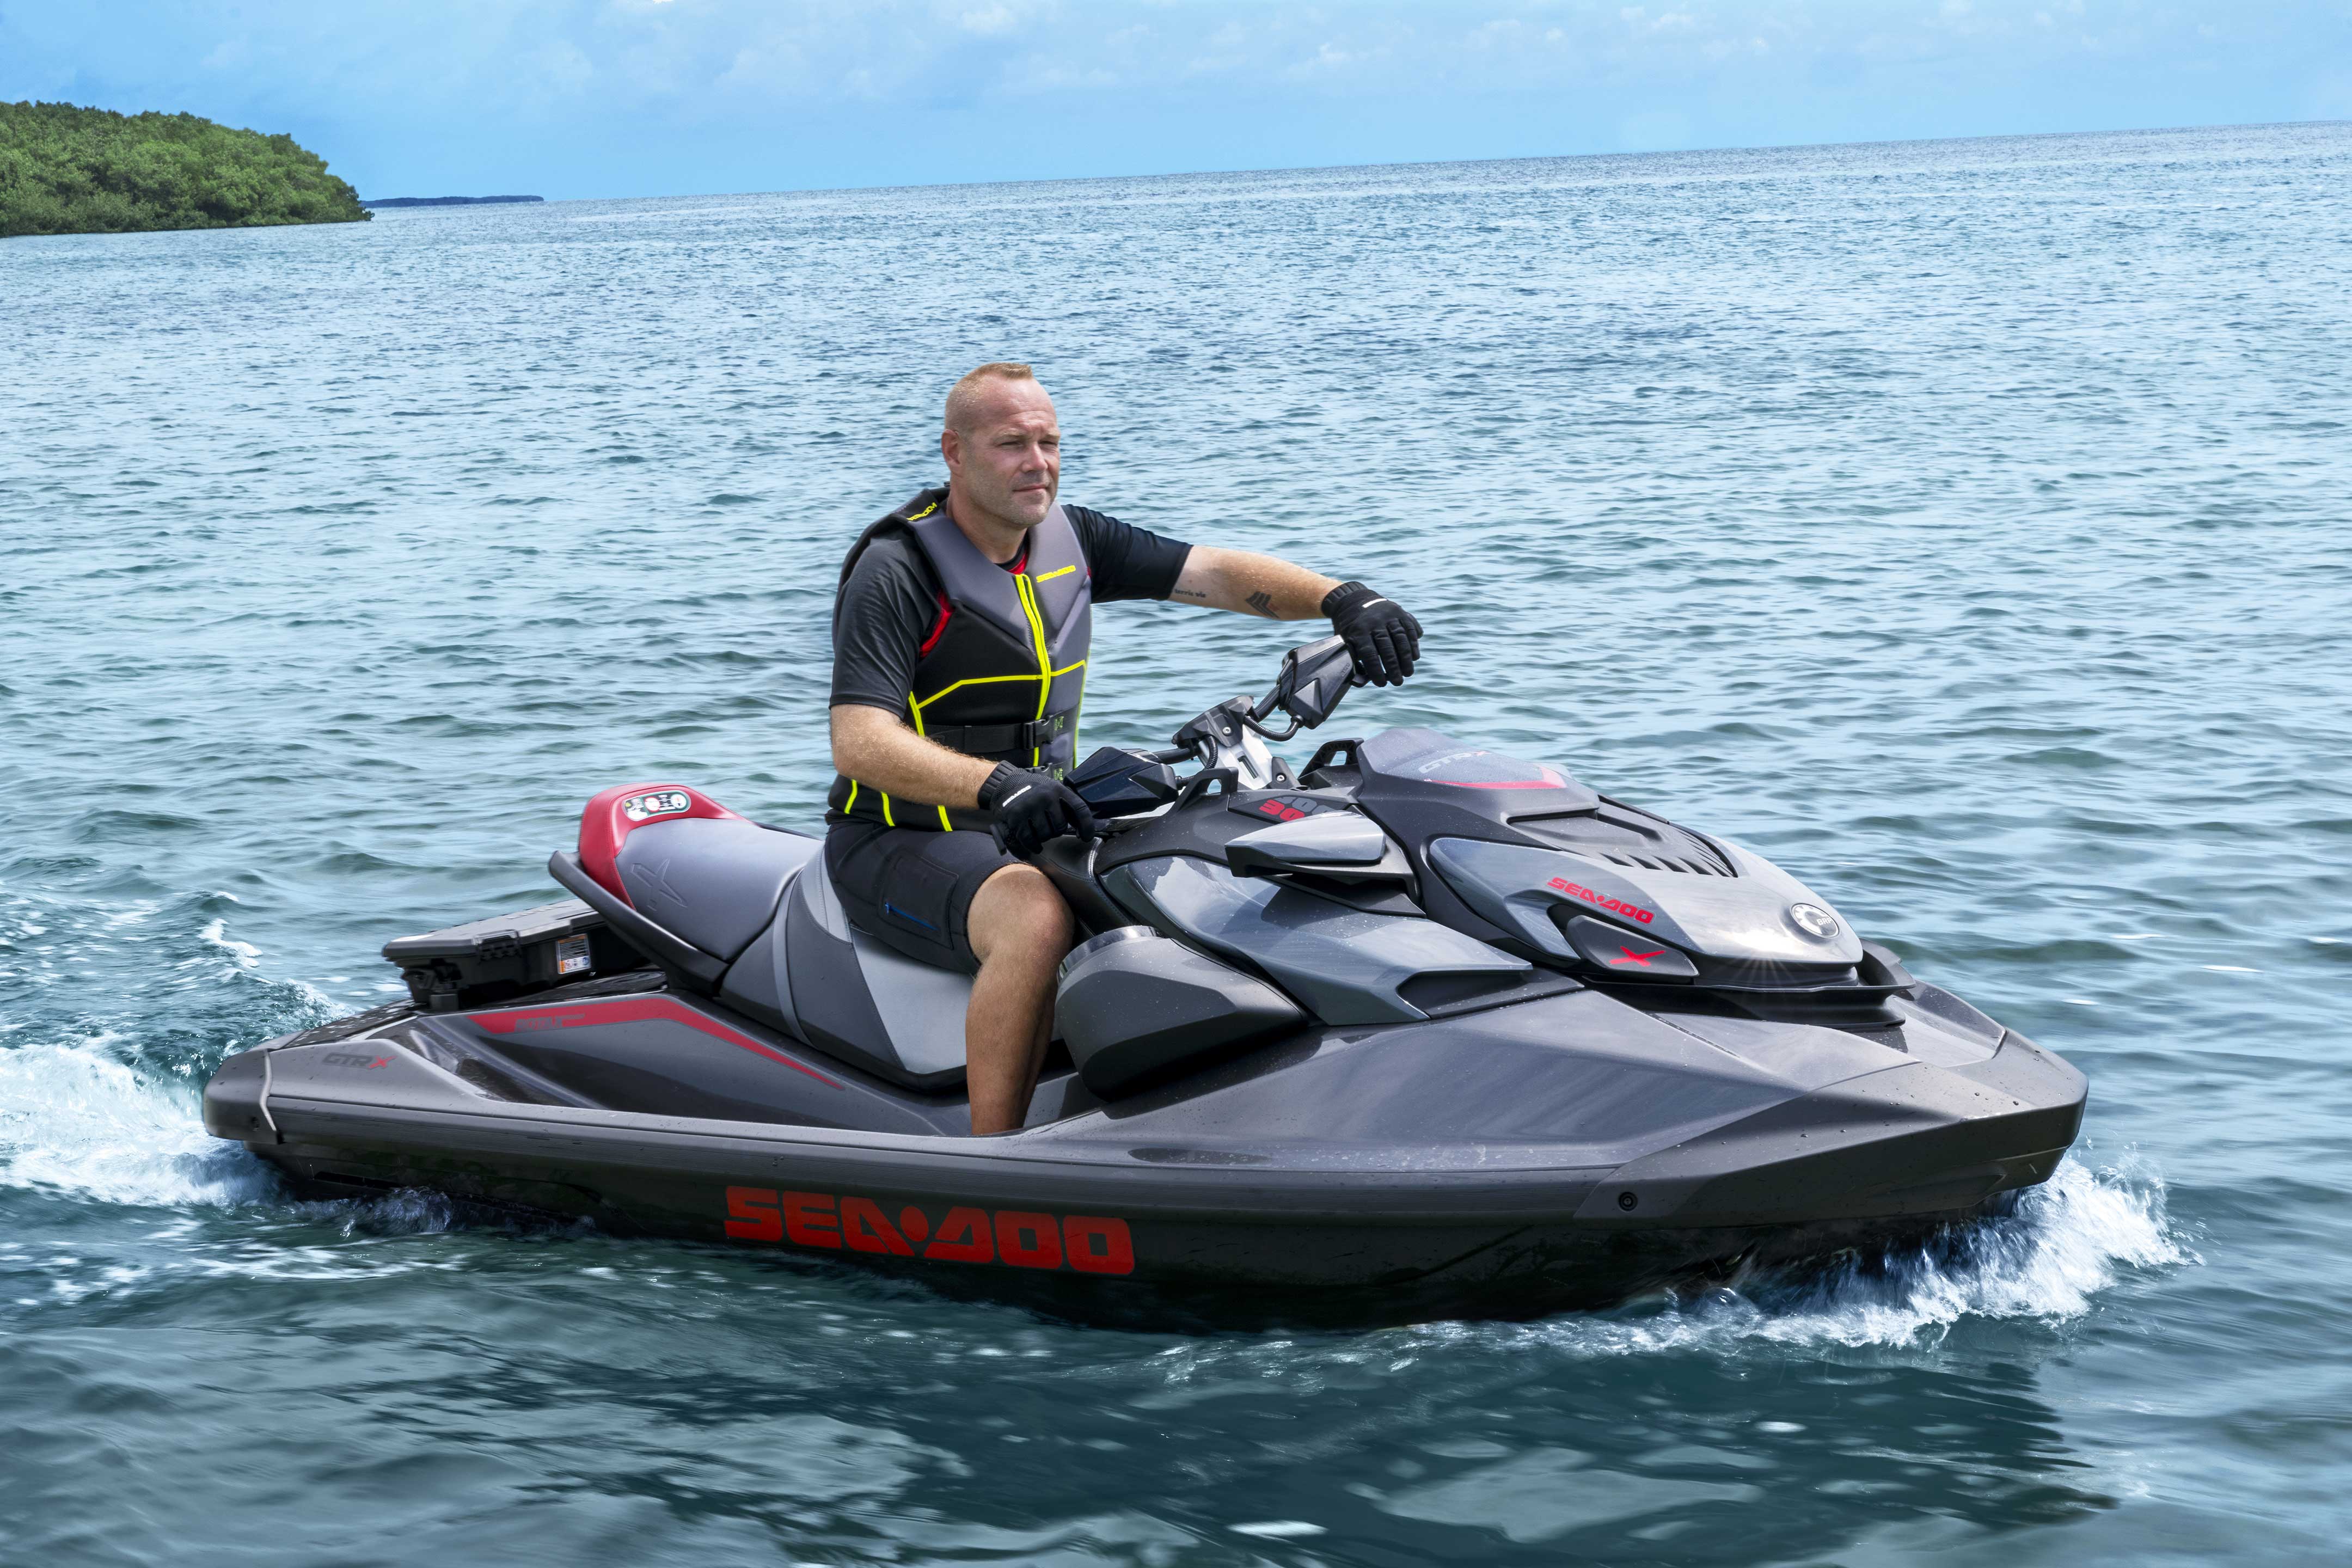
pixel 961 632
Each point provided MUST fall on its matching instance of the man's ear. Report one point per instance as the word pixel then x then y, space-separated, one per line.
pixel 951 449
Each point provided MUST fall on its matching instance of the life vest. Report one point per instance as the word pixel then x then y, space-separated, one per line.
pixel 1003 666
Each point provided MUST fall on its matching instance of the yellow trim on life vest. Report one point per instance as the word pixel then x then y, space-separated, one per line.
pixel 989 679
pixel 1062 572
pixel 925 513
pixel 1045 656
pixel 917 708
pixel 851 804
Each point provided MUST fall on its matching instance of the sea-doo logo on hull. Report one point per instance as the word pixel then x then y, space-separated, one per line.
pixel 348 1059
pixel 1090 1244
pixel 1614 906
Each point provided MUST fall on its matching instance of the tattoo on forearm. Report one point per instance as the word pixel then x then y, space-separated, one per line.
pixel 1186 594
pixel 1263 603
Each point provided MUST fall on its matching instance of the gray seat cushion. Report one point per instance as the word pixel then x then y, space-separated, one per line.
pixel 713 881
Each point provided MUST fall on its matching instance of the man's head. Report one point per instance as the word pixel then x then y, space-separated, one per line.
pixel 1003 448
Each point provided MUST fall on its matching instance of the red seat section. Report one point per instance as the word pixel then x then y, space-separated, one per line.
pixel 612 815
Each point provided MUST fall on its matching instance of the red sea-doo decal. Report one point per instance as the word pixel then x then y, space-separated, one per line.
pixel 1089 1244
pixel 1615 906
pixel 635 1010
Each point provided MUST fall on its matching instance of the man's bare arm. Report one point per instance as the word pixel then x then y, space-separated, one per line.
pixel 879 750
pixel 1252 585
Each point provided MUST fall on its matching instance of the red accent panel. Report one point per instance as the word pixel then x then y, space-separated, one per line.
pixel 635 1010
pixel 602 826
pixel 938 627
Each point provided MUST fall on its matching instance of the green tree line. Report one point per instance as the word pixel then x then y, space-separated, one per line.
pixel 65 170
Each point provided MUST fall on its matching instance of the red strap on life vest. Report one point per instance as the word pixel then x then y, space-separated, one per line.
pixel 938 627
pixel 939 623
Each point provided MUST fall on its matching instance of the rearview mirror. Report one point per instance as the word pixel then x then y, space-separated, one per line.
pixel 1314 677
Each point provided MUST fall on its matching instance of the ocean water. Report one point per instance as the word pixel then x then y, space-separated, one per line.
pixel 1963 524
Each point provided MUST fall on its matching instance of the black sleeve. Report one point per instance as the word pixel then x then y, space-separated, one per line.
pixel 877 636
pixel 1127 563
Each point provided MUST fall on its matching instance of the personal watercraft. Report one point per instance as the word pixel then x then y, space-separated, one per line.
pixel 1423 1030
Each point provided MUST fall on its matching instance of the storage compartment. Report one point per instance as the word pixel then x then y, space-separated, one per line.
pixel 504 956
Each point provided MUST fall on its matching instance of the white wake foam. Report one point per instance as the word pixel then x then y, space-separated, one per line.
pixel 2068 1239
pixel 74 1121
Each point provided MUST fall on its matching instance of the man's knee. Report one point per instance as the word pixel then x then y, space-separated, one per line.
pixel 1019 906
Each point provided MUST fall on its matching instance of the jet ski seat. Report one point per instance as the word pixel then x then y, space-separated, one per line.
pixel 748 914
pixel 680 877
pixel 715 883
pixel 852 997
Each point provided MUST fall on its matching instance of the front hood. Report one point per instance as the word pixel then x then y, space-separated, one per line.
pixel 1751 918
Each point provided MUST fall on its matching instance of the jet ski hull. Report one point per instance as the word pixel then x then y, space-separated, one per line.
pixel 1427 1031
pixel 1158 1216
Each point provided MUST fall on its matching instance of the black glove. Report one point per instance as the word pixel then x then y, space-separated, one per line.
pixel 1382 637
pixel 1032 808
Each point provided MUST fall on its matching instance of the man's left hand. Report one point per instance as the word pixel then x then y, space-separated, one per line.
pixel 1382 635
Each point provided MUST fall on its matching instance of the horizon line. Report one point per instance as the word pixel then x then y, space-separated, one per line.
pixel 1448 162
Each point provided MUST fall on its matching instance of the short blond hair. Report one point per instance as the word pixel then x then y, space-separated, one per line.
pixel 961 395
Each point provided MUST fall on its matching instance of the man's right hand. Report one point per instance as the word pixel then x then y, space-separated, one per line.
pixel 1032 808
pixel 1381 635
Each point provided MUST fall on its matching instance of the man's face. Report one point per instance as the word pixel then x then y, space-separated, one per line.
pixel 1007 458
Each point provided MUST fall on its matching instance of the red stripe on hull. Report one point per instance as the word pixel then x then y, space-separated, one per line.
pixel 636 1010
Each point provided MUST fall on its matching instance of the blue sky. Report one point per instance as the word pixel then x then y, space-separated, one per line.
pixel 589 98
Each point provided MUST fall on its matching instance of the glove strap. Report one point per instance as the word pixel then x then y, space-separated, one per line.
pixel 1347 596
pixel 1002 783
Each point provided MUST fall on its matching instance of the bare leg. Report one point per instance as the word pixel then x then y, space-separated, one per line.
pixel 1021 930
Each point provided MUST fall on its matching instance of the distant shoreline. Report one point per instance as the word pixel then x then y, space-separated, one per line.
pixel 443 201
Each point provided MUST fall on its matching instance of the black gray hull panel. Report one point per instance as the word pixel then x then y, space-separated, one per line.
pixel 1181 1246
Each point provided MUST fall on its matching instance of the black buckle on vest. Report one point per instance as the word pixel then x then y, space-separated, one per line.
pixel 986 739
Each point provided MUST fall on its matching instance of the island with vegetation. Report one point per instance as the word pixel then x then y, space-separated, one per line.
pixel 65 170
